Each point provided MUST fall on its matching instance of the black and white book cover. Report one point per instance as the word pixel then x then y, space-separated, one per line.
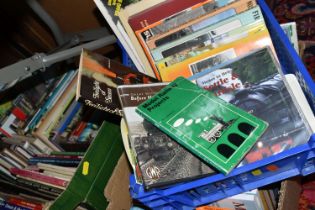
pixel 161 160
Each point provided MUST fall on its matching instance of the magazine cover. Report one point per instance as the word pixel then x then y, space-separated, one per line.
pixel 253 83
pixel 161 160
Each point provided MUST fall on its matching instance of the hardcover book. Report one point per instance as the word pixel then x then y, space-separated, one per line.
pixel 98 79
pixel 188 63
pixel 124 15
pixel 253 82
pixel 218 132
pixel 225 27
pixel 161 160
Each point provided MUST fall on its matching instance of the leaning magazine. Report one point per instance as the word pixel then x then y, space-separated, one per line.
pixel 161 160
pixel 254 83
pixel 218 132
pixel 98 79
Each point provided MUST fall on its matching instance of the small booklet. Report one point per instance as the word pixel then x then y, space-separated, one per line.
pixel 216 131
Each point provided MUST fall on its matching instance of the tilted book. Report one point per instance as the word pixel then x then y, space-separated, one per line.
pixel 161 160
pixel 218 132
pixel 254 83
pixel 98 79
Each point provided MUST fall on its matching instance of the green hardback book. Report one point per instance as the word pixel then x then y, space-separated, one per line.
pixel 218 132
pixel 87 185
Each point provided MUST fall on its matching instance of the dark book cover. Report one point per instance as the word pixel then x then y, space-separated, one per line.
pixel 162 161
pixel 33 184
pixel 98 79
pixel 253 82
pixel 70 162
pixel 14 187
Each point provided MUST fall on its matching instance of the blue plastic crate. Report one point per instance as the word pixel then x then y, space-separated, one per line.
pixel 296 161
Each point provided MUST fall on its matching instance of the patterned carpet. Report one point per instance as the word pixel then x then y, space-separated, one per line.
pixel 303 13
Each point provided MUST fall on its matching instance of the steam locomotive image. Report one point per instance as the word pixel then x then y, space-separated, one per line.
pixel 215 133
pixel 270 100
pixel 163 161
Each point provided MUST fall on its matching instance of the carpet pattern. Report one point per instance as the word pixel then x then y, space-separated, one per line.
pixel 303 13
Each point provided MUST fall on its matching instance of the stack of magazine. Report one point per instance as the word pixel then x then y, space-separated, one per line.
pixel 223 47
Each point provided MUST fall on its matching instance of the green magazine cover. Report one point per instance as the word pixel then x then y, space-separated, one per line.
pixel 216 131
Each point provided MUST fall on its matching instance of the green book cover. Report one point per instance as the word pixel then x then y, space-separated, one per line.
pixel 216 131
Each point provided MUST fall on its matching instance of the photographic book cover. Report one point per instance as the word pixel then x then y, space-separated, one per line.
pixel 98 79
pixel 218 132
pixel 161 160
pixel 254 83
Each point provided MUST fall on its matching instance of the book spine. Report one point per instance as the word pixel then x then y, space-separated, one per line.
pixel 39 176
pixel 26 204
pixel 69 118
pixel 63 162
pixel 227 27
pixel 67 153
pixel 238 6
pixel 52 98
pixel 6 129
pixel 41 146
pixel 121 34
pixel 156 13
pixel 45 156
pixel 39 186
pixel 5 205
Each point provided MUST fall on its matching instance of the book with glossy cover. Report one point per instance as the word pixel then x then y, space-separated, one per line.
pixel 187 64
pixel 98 79
pixel 228 25
pixel 218 132
pixel 189 21
pixel 254 83
pixel 161 160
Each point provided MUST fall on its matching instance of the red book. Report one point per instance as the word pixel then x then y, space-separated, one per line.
pixel 26 204
pixel 23 173
pixel 19 113
pixel 159 12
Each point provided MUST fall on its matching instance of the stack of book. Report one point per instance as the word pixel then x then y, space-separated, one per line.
pixel 223 47
pixel 204 66
pixel 44 133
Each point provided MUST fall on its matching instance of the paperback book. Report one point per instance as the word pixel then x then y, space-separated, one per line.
pixel 254 83
pixel 218 132
pixel 161 160
pixel 98 79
